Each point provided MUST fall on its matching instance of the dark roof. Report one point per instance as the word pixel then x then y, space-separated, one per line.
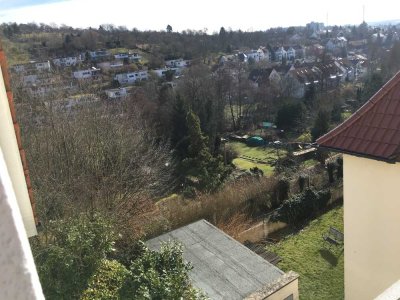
pixel 6 78
pixel 257 75
pixel 222 267
pixel 374 130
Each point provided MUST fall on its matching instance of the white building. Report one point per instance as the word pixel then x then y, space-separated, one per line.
pixel 134 57
pixel 257 55
pixel 86 74
pixel 121 56
pixel 66 61
pixel 132 77
pixel 116 93
pixel 33 66
pixel 177 63
pixel 280 54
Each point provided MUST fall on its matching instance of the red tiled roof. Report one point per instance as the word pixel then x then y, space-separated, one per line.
pixel 374 130
pixel 6 77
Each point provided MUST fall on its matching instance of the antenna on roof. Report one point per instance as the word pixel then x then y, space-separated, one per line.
pixel 364 13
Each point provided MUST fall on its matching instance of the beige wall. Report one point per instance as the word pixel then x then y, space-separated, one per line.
pixel 287 290
pixel 9 146
pixel 371 226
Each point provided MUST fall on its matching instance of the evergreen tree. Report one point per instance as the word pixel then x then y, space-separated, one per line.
pixel 199 163
pixel 321 125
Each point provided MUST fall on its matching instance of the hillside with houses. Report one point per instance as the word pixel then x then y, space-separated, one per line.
pixel 211 139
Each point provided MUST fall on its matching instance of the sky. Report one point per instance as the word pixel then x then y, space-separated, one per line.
pixel 207 15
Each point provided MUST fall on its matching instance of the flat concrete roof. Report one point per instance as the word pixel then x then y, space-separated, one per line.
pixel 222 267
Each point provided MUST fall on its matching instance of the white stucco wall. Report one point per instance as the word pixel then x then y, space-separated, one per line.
pixel 371 226
pixel 9 146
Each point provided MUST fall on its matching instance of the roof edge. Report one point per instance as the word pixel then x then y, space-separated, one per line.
pixel 361 111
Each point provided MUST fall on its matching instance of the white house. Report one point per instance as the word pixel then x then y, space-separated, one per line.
pixel 370 141
pixel 43 66
pixel 99 54
pixel 132 77
pixel 116 93
pixel 161 72
pixel 290 53
pixel 86 74
pixel 66 61
pixel 280 54
pixel 256 55
pixel 121 56
pixel 108 65
pixel 134 56
pixel 177 63
pixel 33 66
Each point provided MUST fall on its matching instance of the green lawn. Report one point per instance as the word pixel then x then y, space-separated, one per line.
pixel 246 165
pixel 261 153
pixel 321 270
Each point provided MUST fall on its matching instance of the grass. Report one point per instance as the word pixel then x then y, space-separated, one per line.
pixel 321 270
pixel 261 153
pixel 346 115
pixel 247 165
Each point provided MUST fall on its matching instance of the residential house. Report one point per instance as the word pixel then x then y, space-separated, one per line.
pixel 86 74
pixel 116 93
pixel 265 76
pixel 298 80
pixel 280 53
pixel 177 63
pixel 225 269
pixel 66 61
pixel 131 77
pixel 335 44
pixel 370 143
pixel 121 56
pixel 290 53
pixel 330 75
pixel 257 55
pixel 161 72
pixel 99 55
pixel 32 67
pixel 110 65
pixel 134 57
pixel 347 69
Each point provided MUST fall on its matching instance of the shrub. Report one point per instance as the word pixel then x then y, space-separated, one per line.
pixel 339 167
pixel 106 282
pixel 303 180
pixel 301 206
pixel 160 275
pixel 282 189
pixel 72 250
pixel 331 166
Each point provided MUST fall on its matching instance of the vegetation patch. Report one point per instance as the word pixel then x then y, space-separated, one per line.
pixel 260 157
pixel 321 270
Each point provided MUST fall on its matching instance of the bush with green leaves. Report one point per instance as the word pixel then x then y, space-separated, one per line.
pixel 68 253
pixel 160 275
pixel 106 282
pixel 301 207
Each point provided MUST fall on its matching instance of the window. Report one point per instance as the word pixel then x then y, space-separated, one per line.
pixel 290 297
